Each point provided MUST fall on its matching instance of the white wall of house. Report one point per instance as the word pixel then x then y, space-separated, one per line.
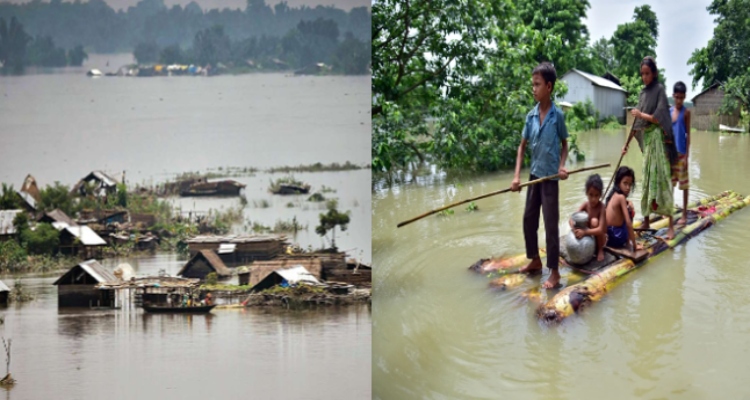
pixel 607 101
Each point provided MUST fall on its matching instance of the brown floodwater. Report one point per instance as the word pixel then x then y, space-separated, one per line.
pixel 677 328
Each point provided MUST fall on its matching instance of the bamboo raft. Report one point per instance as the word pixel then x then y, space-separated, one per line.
pixel 589 283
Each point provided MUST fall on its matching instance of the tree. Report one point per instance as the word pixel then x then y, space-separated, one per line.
pixel 646 14
pixel 211 46
pixel 630 43
pixel 76 56
pixel 146 53
pixel 737 89
pixel 172 55
pixel 122 195
pixel 57 196
pixel 451 82
pixel 13 41
pixel 9 198
pixel 562 18
pixel 330 220
pixel 43 240
pixel 603 52
pixel 43 52
pixel 352 56
pixel 728 52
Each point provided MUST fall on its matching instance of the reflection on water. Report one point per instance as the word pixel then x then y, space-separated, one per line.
pixel 126 354
pixel 675 328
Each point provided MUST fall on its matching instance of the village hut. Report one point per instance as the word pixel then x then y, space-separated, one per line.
pixel 56 215
pixel 79 240
pixel 30 194
pixel 236 250
pixel 705 114
pixel 607 97
pixel 293 276
pixel 259 270
pixel 7 229
pixel 104 185
pixel 78 286
pixel 203 263
pixel 153 290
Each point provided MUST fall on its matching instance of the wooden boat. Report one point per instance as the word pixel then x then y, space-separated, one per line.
pixel 726 128
pixel 178 310
pixel 585 284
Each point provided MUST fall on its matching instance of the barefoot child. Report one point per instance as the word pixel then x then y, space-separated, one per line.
pixel 597 215
pixel 653 130
pixel 681 128
pixel 620 212
pixel 546 135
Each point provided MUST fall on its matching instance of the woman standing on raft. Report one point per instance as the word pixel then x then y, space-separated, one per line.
pixel 653 130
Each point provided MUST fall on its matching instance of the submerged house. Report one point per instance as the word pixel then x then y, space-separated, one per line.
pixel 259 270
pixel 296 275
pixel 103 184
pixel 153 290
pixel 236 250
pixel 608 97
pixel 705 114
pixel 7 229
pixel 79 240
pixel 79 286
pixel 203 263
pixel 4 293
pixel 221 188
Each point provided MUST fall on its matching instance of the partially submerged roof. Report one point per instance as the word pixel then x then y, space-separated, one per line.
pixel 154 281
pixel 297 274
pixel 93 269
pixel 4 287
pixel 596 80
pixel 236 239
pixel 86 235
pixel 259 270
pixel 212 259
pixel 57 215
pixel 6 221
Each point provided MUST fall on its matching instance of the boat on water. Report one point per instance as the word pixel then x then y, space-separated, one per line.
pixel 585 284
pixel 178 310
pixel 726 128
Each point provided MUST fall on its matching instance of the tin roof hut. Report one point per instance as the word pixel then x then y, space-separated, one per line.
pixel 78 286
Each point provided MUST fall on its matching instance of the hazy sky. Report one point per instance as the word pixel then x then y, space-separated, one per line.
pixel 683 27
pixel 208 4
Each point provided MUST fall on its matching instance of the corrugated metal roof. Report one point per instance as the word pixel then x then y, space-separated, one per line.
pixel 28 198
pixel 297 274
pixel 4 287
pixel 108 180
pixel 596 80
pixel 58 215
pixel 98 272
pixel 85 234
pixel 237 239
pixel 6 221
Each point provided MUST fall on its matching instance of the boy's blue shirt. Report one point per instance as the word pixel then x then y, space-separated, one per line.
pixel 545 140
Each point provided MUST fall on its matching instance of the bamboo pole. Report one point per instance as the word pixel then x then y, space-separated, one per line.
pixel 614 175
pixel 534 182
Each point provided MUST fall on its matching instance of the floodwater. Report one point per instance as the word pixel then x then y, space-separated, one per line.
pixel 232 354
pixel 61 126
pixel 677 328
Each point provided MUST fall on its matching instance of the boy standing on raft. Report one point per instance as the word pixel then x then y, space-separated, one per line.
pixel 546 135
pixel 681 128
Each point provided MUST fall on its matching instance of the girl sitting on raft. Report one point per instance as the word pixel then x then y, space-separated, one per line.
pixel 597 215
pixel 620 211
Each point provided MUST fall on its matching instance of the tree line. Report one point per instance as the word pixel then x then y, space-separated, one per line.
pixel 18 49
pixel 100 28
pixel 451 82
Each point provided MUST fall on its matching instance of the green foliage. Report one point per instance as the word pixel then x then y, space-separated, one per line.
pixel 446 213
pixel 43 52
pixel 43 240
pixel 648 16
pixel 19 293
pixel 630 43
pixel 211 46
pixel 458 100
pixel 737 90
pixel 472 207
pixel 172 55
pixel 561 18
pixel 316 197
pixel 352 56
pixel 212 278
pixel 122 195
pixel 727 52
pixel 13 42
pixel 57 196
pixel 146 53
pixel 574 149
pixel 9 198
pixel 12 256
pixel 634 85
pixel 76 56
pixel 21 222
pixel 332 219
